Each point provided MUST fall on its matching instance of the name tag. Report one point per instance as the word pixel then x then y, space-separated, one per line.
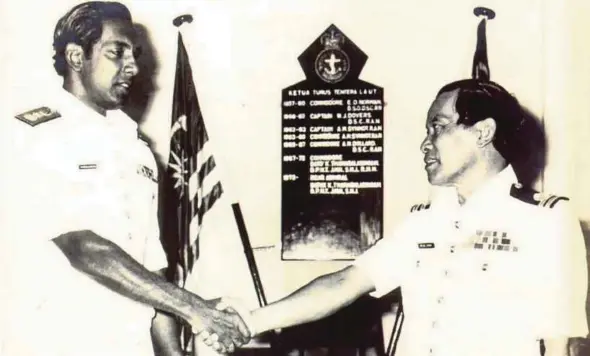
pixel 426 245
pixel 87 166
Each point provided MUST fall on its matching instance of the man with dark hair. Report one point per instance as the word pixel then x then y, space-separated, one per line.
pixel 478 100
pixel 486 267
pixel 86 275
pixel 82 25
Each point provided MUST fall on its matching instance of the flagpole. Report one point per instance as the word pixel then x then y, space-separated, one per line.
pixel 184 224
pixel 480 68
pixel 185 209
pixel 249 255
pixel 248 251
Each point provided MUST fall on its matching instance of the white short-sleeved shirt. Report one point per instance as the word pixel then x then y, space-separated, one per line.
pixel 80 171
pixel 490 277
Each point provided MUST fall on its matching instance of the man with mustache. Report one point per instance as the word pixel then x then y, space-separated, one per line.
pixel 86 273
pixel 487 267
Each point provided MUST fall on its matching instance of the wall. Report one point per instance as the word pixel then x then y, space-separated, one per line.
pixel 577 115
pixel 412 52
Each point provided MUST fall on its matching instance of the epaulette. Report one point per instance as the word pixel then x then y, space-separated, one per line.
pixel 418 207
pixel 38 116
pixel 534 197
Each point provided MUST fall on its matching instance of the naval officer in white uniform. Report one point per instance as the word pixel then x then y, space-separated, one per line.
pixel 487 268
pixel 80 240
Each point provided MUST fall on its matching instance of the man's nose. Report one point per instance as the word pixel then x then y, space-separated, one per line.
pixel 130 67
pixel 426 145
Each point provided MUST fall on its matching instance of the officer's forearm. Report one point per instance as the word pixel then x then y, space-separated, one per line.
pixel 165 331
pixel 165 335
pixel 320 298
pixel 109 265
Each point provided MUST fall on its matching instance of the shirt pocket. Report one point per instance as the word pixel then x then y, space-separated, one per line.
pixel 495 273
pixel 428 265
pixel 102 193
pixel 425 281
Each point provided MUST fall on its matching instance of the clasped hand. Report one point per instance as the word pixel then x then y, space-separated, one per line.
pixel 222 325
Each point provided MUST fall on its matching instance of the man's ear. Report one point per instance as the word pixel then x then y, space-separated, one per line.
pixel 74 56
pixel 486 130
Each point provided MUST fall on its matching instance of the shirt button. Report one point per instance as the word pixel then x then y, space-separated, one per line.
pixel 457 224
pixel 453 249
pixel 440 300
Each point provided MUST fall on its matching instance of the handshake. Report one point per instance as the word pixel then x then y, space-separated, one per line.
pixel 223 324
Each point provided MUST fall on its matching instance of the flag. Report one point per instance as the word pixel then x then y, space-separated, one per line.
pixel 192 185
pixel 195 212
pixel 481 69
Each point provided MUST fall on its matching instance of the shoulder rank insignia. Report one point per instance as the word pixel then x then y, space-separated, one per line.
pixel 38 115
pixel 418 207
pixel 533 197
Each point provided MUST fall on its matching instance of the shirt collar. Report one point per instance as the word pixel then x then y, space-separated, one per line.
pixel 494 188
pixel 70 106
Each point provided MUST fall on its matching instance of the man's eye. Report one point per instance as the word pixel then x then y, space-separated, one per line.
pixel 117 53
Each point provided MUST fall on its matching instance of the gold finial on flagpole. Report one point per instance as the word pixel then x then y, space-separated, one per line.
pixel 484 11
pixel 178 21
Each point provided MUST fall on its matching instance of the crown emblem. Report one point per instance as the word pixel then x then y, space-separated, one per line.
pixel 332 63
pixel 332 40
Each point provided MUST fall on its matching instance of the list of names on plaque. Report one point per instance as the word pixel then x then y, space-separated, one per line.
pixel 332 152
pixel 347 121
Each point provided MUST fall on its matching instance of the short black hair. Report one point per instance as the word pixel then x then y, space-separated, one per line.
pixel 82 25
pixel 478 100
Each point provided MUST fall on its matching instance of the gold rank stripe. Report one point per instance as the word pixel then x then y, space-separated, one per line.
pixel 551 201
pixel 418 207
pixel 548 201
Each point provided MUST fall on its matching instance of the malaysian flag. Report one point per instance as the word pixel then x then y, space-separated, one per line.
pixel 194 212
pixel 192 186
